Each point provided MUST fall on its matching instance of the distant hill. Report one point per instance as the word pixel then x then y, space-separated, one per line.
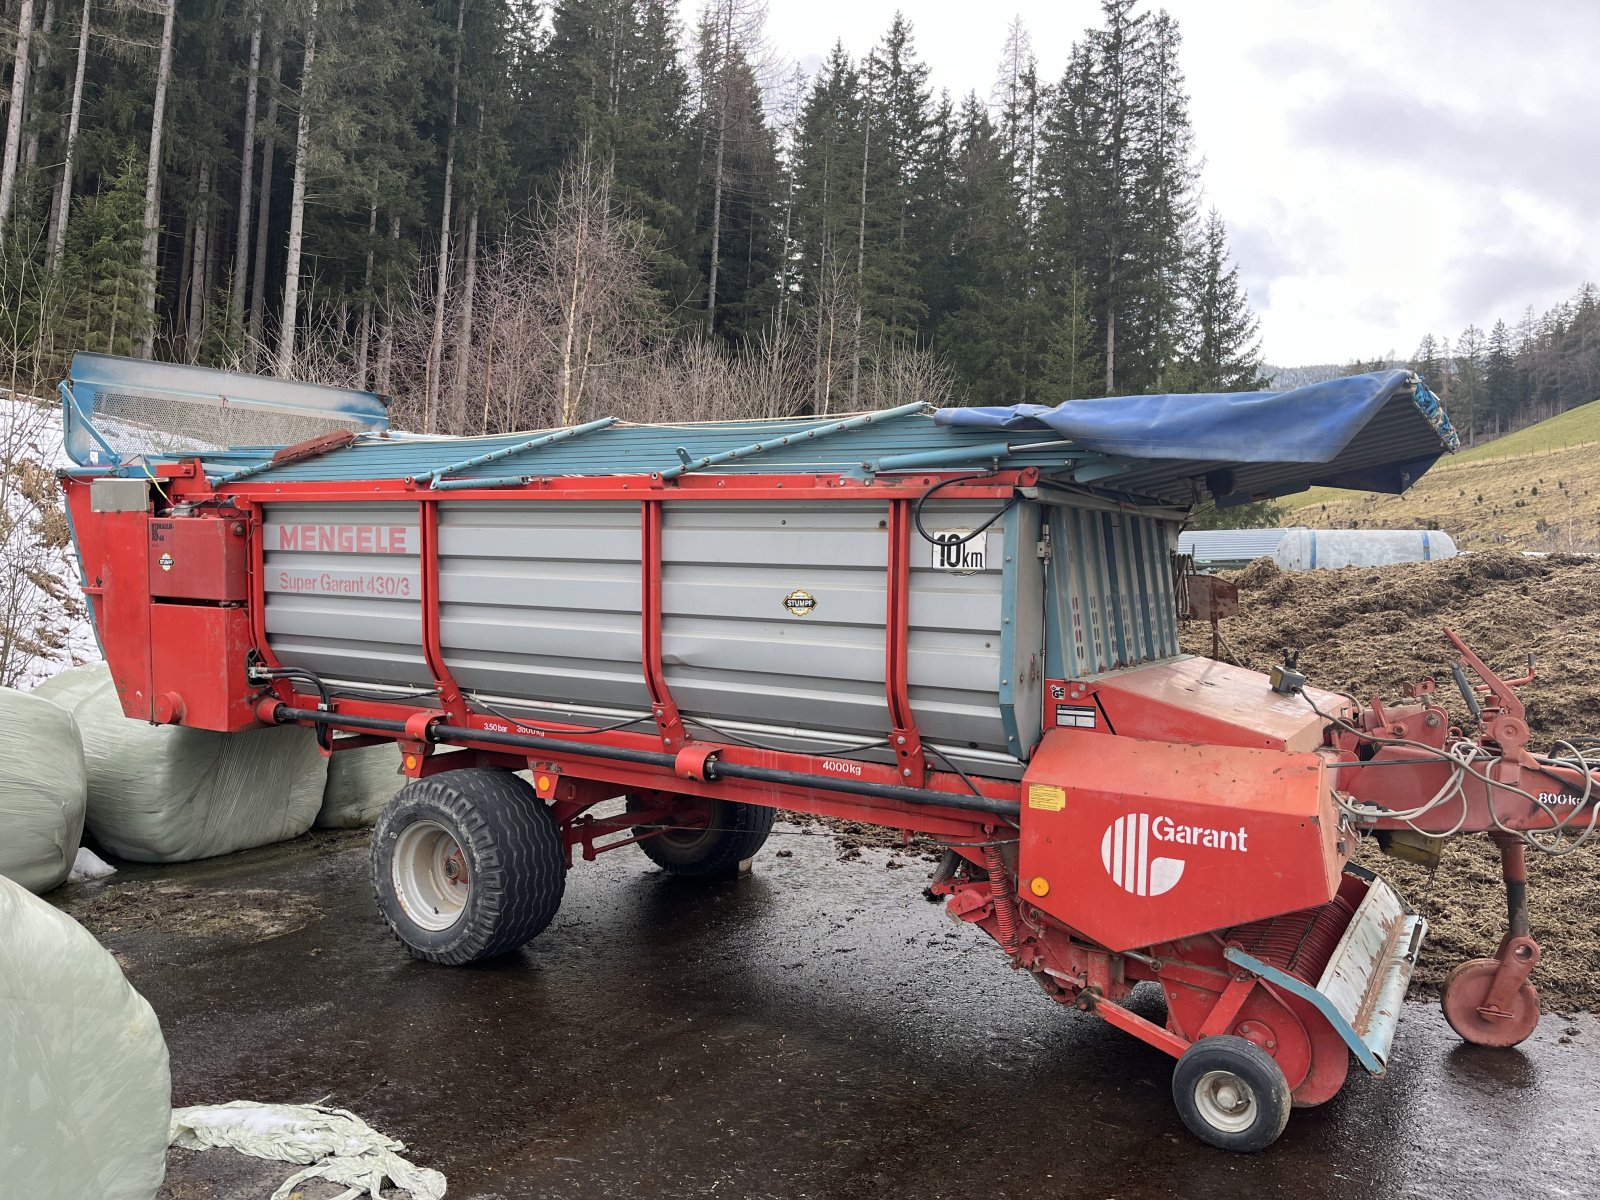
pixel 1536 489
pixel 1575 427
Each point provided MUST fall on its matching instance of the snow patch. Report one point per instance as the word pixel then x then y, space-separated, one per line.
pixel 44 622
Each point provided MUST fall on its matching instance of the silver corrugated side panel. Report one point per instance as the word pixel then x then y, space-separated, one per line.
pixel 343 591
pixel 1110 598
pixel 541 601
pixel 773 613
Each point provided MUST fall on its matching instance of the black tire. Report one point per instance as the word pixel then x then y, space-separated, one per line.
pixel 495 840
pixel 1231 1094
pixel 733 833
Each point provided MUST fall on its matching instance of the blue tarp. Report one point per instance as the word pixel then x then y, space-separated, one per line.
pixel 1311 425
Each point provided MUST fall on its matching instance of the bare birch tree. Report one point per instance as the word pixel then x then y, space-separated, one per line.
pixel 194 332
pixel 431 389
pixel 730 32
pixel 63 209
pixel 458 386
pixel 364 340
pixel 247 162
pixel 41 64
pixel 256 338
pixel 19 88
pixel 152 180
pixel 297 205
pixel 385 377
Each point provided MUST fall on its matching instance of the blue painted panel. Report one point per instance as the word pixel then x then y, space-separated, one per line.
pixel 1109 599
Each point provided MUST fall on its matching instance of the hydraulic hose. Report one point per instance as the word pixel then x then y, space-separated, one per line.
pixel 716 770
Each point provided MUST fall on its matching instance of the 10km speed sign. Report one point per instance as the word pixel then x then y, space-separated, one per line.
pixel 957 551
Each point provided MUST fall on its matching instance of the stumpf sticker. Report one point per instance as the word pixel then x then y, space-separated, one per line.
pixel 800 603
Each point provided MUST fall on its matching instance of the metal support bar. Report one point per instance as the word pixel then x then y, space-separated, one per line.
pixel 1103 468
pixel 904 738
pixel 1131 1022
pixel 456 734
pixel 789 439
pixel 668 723
pixel 962 454
pixel 70 405
pixel 299 452
pixel 939 458
pixel 544 439
pixel 432 646
pixel 1227 1006
pixel 493 481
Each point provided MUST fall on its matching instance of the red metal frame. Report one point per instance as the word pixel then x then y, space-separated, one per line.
pixel 668 722
pixel 904 738
pixel 432 646
pixel 1206 995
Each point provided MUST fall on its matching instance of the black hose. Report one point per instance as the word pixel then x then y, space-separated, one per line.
pixel 922 797
pixel 881 791
pixel 916 510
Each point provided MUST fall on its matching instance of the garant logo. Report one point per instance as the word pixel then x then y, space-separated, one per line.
pixel 1125 851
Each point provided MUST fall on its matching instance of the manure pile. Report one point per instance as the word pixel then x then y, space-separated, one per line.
pixel 1370 630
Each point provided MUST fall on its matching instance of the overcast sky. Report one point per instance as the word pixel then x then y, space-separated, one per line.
pixel 1386 168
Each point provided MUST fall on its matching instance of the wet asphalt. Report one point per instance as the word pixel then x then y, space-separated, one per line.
pixel 813 1029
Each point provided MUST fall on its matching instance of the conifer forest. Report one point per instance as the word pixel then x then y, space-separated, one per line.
pixel 515 213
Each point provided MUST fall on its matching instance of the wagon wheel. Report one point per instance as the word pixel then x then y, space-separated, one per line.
pixel 1464 994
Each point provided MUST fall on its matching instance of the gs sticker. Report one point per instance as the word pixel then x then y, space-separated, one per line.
pixel 800 603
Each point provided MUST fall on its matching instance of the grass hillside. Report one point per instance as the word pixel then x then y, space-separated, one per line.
pixel 1536 489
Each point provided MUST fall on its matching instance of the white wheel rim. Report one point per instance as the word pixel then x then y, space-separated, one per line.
pixel 1226 1102
pixel 430 875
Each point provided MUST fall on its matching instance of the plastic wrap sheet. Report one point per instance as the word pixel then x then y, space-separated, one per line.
pixel 162 793
pixel 338 1146
pixel 43 790
pixel 85 1096
pixel 360 783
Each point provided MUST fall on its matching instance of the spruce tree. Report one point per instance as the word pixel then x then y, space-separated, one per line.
pixel 899 96
pixel 1467 408
pixel 1116 183
pixel 1428 362
pixel 1164 191
pixel 1072 367
pixel 1500 377
pixel 827 181
pixel 1222 349
pixel 982 339
pixel 103 266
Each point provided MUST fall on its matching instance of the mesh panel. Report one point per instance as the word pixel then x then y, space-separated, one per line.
pixel 141 424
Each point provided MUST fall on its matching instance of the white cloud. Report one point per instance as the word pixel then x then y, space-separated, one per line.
pixel 1386 169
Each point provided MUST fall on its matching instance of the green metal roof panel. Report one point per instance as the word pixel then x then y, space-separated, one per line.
pixel 624 449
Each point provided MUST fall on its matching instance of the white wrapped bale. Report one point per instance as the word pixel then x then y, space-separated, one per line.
pixel 73 685
pixel 42 791
pixel 162 793
pixel 86 1098
pixel 360 783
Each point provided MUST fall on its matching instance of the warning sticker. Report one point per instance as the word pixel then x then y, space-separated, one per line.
pixel 1047 796
pixel 800 603
pixel 1076 716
